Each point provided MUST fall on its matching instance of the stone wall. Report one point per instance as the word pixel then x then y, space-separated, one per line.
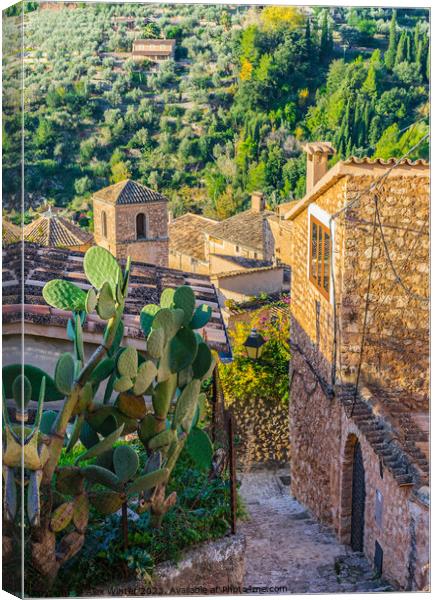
pixel 184 262
pixel 396 355
pixel 121 231
pixel 244 285
pixel 395 359
pixel 213 568
pixel 108 242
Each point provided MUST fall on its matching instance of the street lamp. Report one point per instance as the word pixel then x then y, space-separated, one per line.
pixel 254 345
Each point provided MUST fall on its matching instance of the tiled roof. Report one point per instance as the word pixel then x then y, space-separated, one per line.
pixel 186 234
pixel 158 42
pixel 55 231
pixel 353 167
pixel 245 228
pixel 129 192
pixel 10 233
pixel 244 262
pixel 237 272
pixel 319 148
pixel 353 160
pixel 146 284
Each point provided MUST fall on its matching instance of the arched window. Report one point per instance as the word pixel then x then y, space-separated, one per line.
pixel 103 224
pixel 141 226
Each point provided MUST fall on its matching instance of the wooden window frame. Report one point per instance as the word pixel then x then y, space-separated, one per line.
pixel 320 259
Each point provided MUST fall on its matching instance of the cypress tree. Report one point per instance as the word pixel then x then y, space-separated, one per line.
pixel 324 41
pixel 408 49
pixel 308 38
pixel 392 48
pixel 349 149
pixel 416 41
pixel 401 49
pixel 427 69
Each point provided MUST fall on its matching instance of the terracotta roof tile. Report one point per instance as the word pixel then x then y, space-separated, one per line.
pixel 146 284
pixel 245 228
pixel 54 231
pixel 245 263
pixel 186 234
pixel 129 192
pixel 10 233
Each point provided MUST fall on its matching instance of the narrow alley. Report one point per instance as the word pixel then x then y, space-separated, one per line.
pixel 288 551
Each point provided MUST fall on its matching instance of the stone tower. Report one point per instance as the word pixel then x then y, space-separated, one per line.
pixel 132 220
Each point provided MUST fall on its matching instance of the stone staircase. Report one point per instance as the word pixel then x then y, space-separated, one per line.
pixel 396 447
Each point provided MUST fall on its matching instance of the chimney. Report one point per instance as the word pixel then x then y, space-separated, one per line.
pixel 317 156
pixel 170 216
pixel 257 202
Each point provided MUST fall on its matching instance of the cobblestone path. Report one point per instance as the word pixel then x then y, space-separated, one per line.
pixel 288 551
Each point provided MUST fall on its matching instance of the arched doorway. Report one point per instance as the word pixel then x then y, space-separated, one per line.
pixel 357 500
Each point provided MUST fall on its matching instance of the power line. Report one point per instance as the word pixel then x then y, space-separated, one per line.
pixel 398 279
pixel 335 319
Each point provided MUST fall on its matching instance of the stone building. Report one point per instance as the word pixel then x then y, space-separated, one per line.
pixel 54 231
pixel 154 50
pixel 187 236
pixel 247 234
pixel 359 257
pixel 132 220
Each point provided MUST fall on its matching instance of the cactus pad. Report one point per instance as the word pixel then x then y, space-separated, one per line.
pixel 97 474
pixel 62 516
pixel 21 392
pixel 64 295
pixel 102 446
pixel 203 361
pixel 167 298
pixel 148 481
pixel 146 429
pixel 47 420
pixel 199 447
pixel 162 395
pixel 128 362
pixel 69 481
pixel 103 370
pixel 183 348
pixel 126 463
pixel 184 298
pixel 64 373
pixel 106 502
pixel 156 343
pixel 106 302
pixel 146 317
pixel 100 266
pixel 81 512
pixel 187 403
pixel 91 300
pixel 201 316
pixel 164 438
pixel 88 436
pixel 146 373
pixel 35 375
pixel 131 406
pixel 123 384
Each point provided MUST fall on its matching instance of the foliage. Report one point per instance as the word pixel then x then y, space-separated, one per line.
pixel 170 369
pixel 267 378
pixel 258 82
pixel 201 513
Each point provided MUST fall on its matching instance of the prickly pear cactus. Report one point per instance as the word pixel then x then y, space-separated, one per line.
pixel 153 391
